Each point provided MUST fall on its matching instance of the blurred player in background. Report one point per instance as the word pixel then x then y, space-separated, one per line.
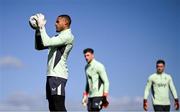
pixel 160 84
pixel 97 85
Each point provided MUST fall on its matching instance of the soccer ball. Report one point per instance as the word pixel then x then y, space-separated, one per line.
pixel 37 21
pixel 33 22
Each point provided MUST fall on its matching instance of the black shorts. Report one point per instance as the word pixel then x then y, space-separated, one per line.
pixel 95 103
pixel 161 108
pixel 55 86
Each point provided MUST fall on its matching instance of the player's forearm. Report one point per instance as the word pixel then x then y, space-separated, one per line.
pixel 105 81
pixel 174 93
pixel 106 86
pixel 87 88
pixel 38 41
pixel 45 38
pixel 104 78
pixel 147 88
pixel 146 92
pixel 173 90
pixel 61 39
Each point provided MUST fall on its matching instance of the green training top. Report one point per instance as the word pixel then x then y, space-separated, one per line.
pixel 97 80
pixel 59 47
pixel 160 85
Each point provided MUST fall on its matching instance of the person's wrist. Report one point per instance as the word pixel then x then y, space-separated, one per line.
pixel 105 94
pixel 42 29
pixel 176 104
pixel 145 101
pixel 85 93
pixel 176 100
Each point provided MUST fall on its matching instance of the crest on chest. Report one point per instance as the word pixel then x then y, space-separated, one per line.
pixel 160 81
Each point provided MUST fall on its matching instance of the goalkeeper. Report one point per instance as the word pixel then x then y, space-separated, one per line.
pixel 59 47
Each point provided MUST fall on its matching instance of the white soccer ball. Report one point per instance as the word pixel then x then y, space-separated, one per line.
pixel 33 22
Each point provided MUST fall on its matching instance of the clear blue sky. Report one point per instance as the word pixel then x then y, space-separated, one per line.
pixel 128 36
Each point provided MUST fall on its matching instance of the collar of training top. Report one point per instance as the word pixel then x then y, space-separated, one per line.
pixel 161 73
pixel 93 60
pixel 66 30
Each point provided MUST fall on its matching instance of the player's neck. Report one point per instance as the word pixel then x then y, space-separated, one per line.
pixel 160 73
pixel 90 61
pixel 65 28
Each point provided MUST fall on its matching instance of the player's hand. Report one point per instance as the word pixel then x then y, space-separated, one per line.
pixel 85 99
pixel 105 101
pixel 41 21
pixel 145 105
pixel 176 104
pixel 33 22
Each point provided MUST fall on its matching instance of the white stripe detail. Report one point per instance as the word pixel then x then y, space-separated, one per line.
pixel 59 90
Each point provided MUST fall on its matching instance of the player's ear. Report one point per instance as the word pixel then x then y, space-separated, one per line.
pixel 65 22
pixel 93 55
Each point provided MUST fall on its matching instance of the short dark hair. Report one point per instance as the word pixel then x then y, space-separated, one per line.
pixel 160 61
pixel 67 17
pixel 88 50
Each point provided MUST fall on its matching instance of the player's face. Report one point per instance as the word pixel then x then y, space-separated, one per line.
pixel 60 24
pixel 160 68
pixel 89 57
